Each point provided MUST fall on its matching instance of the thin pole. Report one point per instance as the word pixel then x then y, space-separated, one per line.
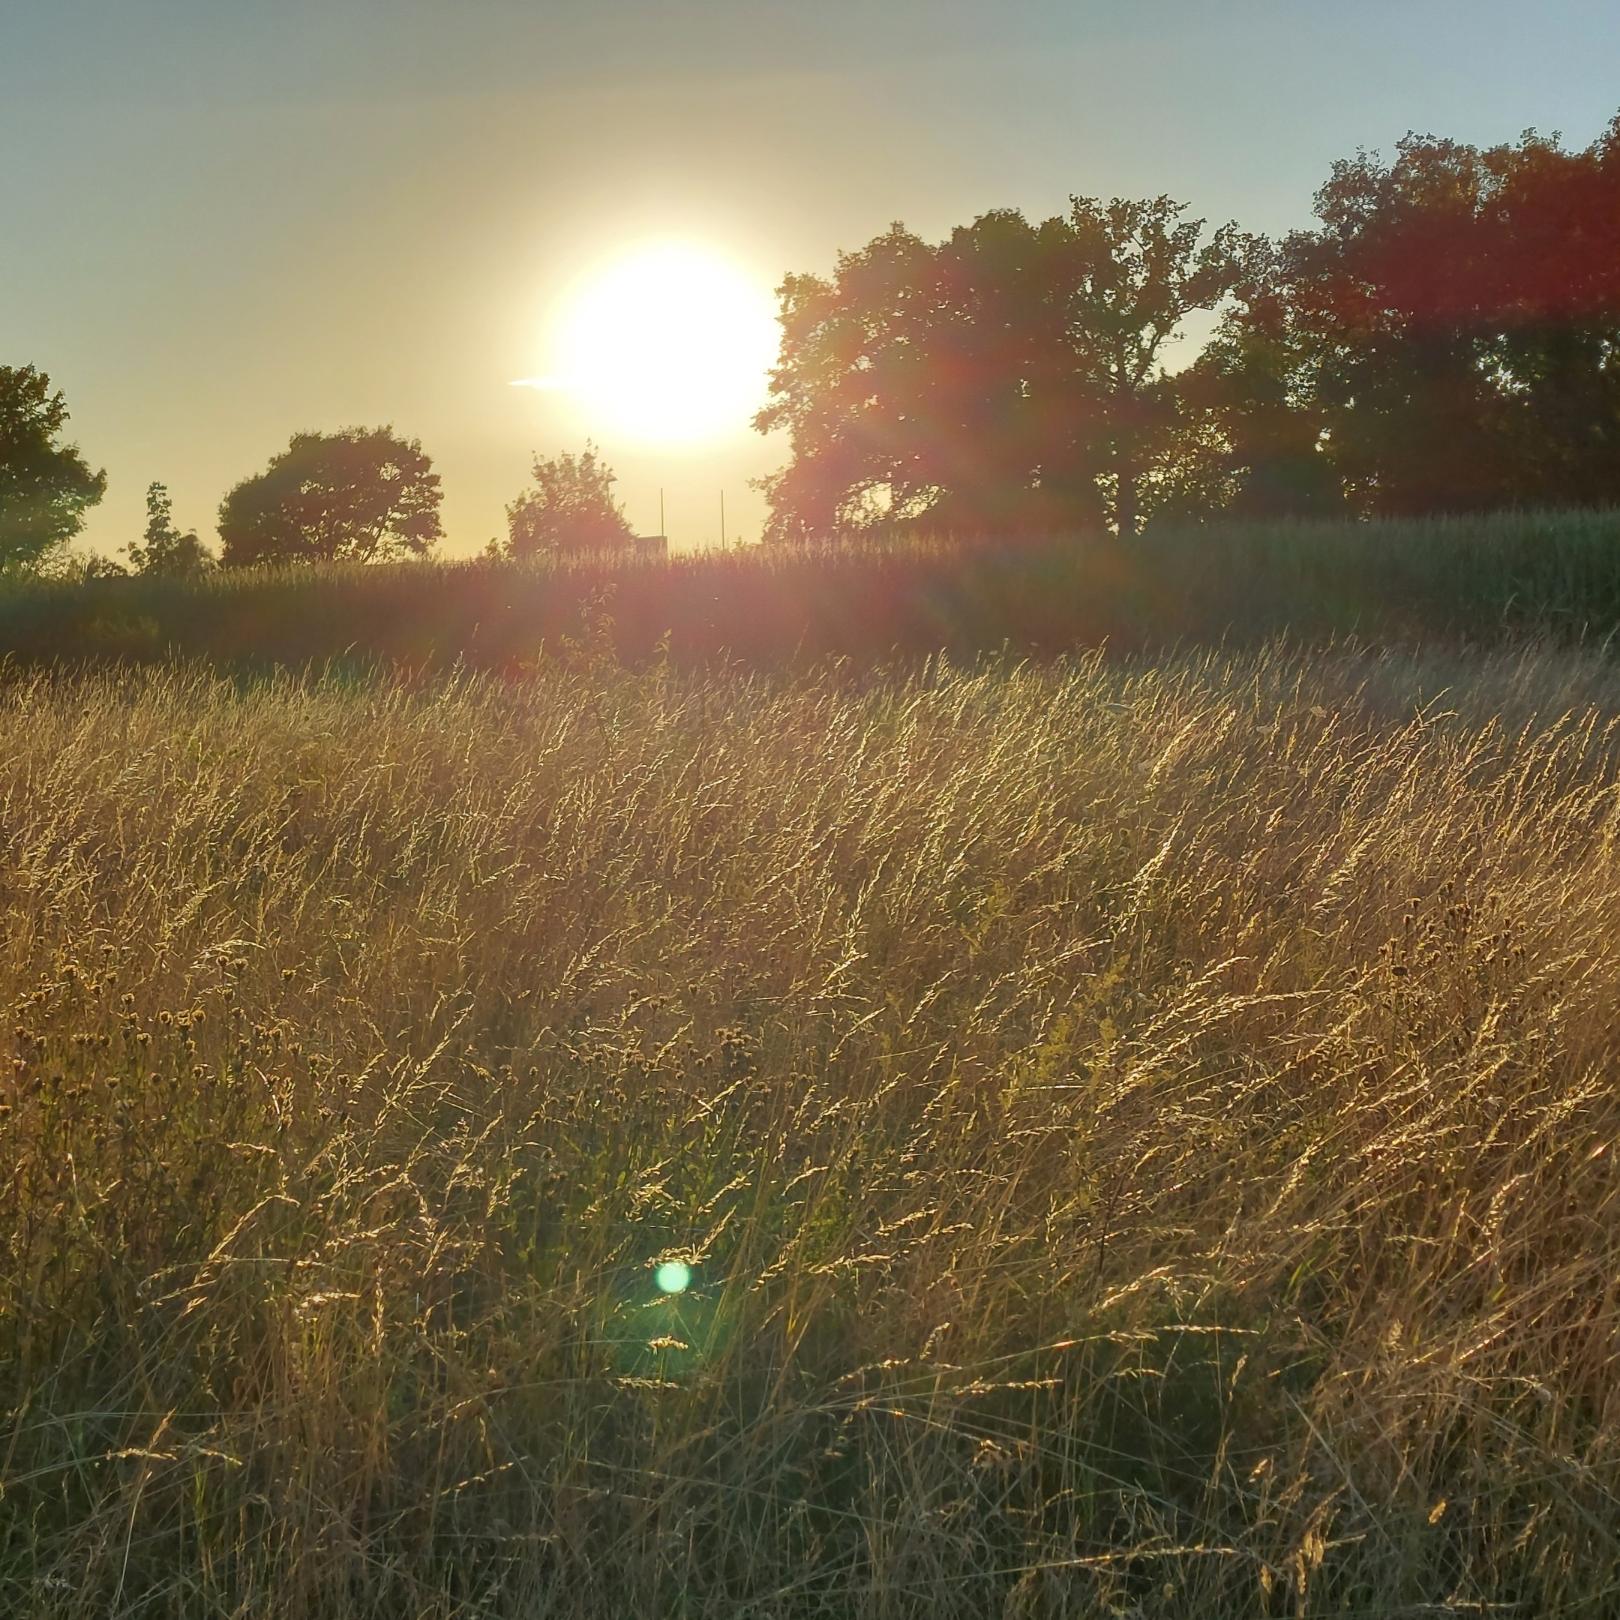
pixel 722 517
pixel 661 530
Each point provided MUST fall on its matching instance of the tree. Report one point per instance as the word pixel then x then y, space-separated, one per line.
pixel 163 550
pixel 570 508
pixel 1455 324
pixel 357 495
pixel 1139 269
pixel 1554 255
pixel 1385 299
pixel 912 384
pixel 1249 401
pixel 1007 380
pixel 45 487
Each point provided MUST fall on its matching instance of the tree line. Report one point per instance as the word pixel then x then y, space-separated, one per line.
pixel 1446 338
pixel 356 495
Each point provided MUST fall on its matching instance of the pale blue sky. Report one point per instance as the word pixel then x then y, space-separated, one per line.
pixel 226 220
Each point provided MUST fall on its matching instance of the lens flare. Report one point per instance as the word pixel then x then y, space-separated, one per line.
pixel 673 1277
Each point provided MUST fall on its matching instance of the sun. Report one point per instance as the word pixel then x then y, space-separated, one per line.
pixel 670 343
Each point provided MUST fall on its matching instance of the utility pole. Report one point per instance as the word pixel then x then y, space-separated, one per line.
pixel 722 518
pixel 663 533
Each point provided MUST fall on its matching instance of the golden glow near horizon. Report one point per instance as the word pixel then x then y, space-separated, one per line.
pixel 668 344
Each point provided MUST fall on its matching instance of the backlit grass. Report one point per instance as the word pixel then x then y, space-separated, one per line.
pixel 1131 1138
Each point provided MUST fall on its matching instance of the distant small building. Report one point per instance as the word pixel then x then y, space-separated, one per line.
pixel 649 545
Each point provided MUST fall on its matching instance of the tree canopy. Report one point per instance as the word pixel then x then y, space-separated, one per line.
pixel 360 495
pixel 46 487
pixel 1009 379
pixel 570 507
pixel 1458 319
pixel 1446 339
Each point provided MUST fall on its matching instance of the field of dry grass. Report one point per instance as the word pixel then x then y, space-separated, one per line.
pixel 1142 1135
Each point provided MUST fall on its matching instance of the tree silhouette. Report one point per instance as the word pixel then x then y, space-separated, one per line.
pixel 1453 326
pixel 1446 339
pixel 357 495
pixel 163 549
pixel 1247 400
pixel 1137 271
pixel 1010 379
pixel 570 508
pixel 45 487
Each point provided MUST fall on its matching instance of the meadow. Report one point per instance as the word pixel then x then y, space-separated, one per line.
pixel 1112 1135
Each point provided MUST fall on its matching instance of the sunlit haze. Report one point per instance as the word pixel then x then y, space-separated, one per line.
pixel 228 223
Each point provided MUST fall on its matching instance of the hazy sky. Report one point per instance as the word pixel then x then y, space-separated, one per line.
pixel 222 221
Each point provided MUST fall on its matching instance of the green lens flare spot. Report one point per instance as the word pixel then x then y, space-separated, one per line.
pixel 673 1277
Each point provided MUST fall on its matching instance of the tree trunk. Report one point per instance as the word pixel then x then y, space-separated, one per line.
pixel 1125 501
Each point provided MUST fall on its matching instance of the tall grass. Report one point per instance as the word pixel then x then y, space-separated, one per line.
pixel 1143 1137
pixel 1475 578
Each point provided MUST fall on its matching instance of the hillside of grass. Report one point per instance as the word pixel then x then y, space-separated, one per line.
pixel 1477 578
pixel 1139 1138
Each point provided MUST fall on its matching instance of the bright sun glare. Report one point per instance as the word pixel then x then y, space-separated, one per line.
pixel 669 344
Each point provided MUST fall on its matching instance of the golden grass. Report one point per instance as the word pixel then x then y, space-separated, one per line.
pixel 1143 1137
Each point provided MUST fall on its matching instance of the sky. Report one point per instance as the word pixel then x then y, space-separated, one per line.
pixel 226 221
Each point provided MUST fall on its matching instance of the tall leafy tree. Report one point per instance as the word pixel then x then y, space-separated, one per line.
pixel 570 507
pixel 1388 296
pixel 1139 269
pixel 164 549
pixel 46 487
pixel 860 391
pixel 1554 256
pixel 361 494
pixel 1008 379
pixel 1256 428
pixel 1455 324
